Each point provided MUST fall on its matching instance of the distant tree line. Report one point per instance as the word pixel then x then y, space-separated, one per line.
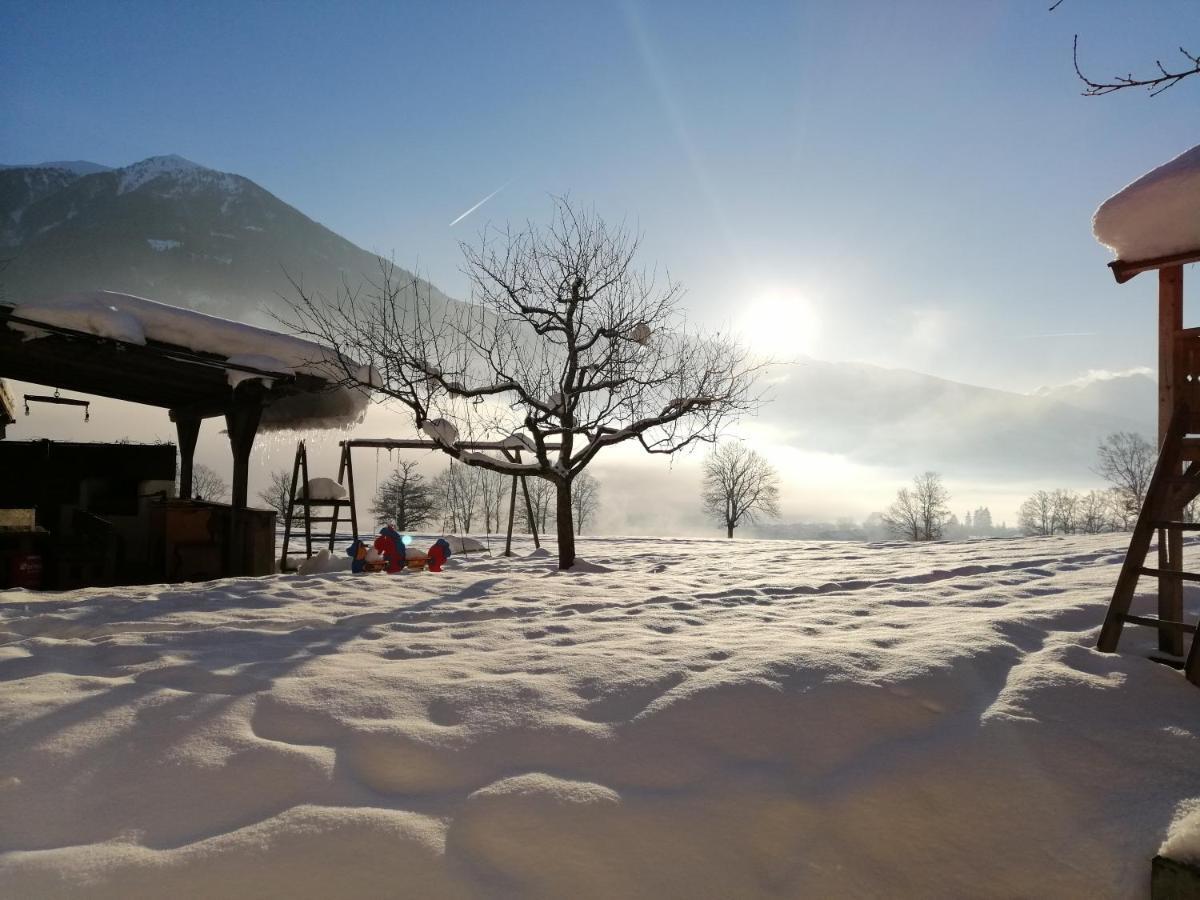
pixel 1126 461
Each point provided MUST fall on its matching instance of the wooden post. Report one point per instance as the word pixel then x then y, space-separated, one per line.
pixel 1170 323
pixel 346 471
pixel 291 510
pixel 187 426
pixel 1170 543
pixel 241 421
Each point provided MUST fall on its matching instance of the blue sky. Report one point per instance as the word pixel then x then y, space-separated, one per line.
pixel 908 184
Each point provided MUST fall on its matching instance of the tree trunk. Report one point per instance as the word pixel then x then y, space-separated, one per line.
pixel 566 526
pixel 729 531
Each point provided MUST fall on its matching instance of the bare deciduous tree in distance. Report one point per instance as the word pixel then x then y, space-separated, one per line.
pixel 494 495
pixel 585 500
pixel 920 514
pixel 208 485
pixel 404 498
pixel 277 494
pixel 541 501
pixel 565 342
pixel 739 486
pixel 1036 516
pixel 1126 461
pixel 458 492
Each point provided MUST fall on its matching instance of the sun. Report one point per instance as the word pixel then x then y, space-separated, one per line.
pixel 782 324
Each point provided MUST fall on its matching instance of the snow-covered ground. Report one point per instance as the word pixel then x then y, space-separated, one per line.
pixel 685 718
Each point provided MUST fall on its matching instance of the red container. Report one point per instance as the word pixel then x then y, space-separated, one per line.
pixel 26 571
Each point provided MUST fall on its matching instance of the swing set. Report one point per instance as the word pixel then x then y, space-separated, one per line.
pixel 329 510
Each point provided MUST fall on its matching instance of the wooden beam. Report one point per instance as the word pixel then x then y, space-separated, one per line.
pixel 1170 323
pixel 1123 271
pixel 1170 543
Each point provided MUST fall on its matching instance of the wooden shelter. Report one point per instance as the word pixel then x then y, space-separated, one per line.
pixel 1162 210
pixel 191 384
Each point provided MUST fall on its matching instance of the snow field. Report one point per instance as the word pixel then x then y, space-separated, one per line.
pixel 686 718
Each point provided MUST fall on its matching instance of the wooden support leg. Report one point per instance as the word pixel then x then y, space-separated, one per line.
pixel 346 476
pixel 529 512
pixel 242 424
pixel 1143 532
pixel 1170 590
pixel 1192 668
pixel 291 511
pixel 187 427
pixel 512 512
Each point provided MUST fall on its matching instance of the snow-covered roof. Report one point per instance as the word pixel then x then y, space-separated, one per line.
pixel 136 320
pixel 1156 216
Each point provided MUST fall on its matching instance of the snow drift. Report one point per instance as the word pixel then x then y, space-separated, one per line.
pixel 708 719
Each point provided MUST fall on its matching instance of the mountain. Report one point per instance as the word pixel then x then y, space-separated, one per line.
pixel 176 231
pixel 75 166
pixel 910 421
pixel 169 229
pixel 1132 393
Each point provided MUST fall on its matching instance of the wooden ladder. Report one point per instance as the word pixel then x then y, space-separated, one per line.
pixel 303 507
pixel 1171 488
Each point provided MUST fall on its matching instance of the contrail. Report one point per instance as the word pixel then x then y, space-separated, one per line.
pixel 1062 334
pixel 480 203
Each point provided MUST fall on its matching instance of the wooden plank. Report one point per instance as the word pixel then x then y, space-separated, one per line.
pixel 1152 622
pixel 1170 573
pixel 1123 271
pixel 1178 526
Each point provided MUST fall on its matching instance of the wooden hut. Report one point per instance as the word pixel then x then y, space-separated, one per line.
pixel 1153 225
pixel 192 365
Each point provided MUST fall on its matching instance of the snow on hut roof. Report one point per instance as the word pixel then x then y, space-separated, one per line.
pixel 1156 216
pixel 136 320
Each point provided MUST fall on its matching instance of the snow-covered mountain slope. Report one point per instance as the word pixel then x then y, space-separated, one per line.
pixel 684 719
pixel 169 229
pixel 74 166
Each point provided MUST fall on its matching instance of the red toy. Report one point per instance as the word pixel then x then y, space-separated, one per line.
pixel 437 555
pixel 389 544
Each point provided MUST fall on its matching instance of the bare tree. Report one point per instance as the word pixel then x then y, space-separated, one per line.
pixel 208 485
pixel 566 344
pixel 1119 511
pixel 277 494
pixel 1094 514
pixel 585 500
pixel 922 513
pixel 458 492
pixel 494 496
pixel 541 501
pixel 1126 461
pixel 739 486
pixel 1036 516
pixel 404 498
pixel 1065 504
pixel 1156 82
